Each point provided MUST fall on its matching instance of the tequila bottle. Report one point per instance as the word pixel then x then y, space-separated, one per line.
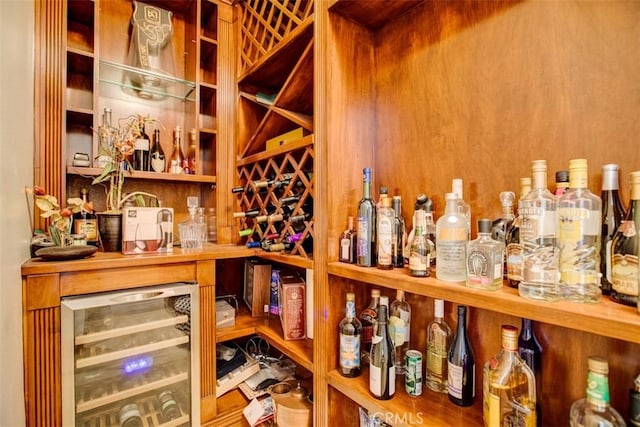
pixel 579 228
pixel 485 259
pixel 538 237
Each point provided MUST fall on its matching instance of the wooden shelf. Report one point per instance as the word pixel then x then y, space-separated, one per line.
pixel 269 327
pixel 430 409
pixel 230 407
pixel 606 318
pixel 74 170
pixel 291 260
pixel 373 14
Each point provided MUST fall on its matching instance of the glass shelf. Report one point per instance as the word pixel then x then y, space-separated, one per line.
pixel 159 87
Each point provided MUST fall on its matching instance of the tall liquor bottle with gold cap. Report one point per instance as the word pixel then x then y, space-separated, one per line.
pixel 624 251
pixel 538 237
pixel 509 397
pixel 579 230
pixel 513 248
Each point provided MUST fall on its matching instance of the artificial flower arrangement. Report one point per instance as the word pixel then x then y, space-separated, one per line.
pixel 116 145
pixel 61 218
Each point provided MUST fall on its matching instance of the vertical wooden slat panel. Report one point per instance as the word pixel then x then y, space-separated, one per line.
pixel 207 349
pixel 44 393
pixel 50 23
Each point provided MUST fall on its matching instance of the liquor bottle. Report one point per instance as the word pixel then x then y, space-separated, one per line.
pixel 382 372
pixel 612 214
pixel 419 257
pixel 594 410
pixel 634 403
pixel 500 226
pixel 530 351
pixel 168 406
pixel 624 250
pixel 400 233
pixel 538 237
pixel 400 329
pixel 430 234
pixel 562 183
pixel 368 319
pixel 386 235
pixel 580 224
pixel 461 364
pixel 348 243
pixel 158 162
pixel 189 161
pixel 141 151
pixel 106 138
pixel 513 249
pixel 175 161
pixel 289 199
pixel 509 386
pixel 384 192
pixel 212 225
pixel 439 337
pixel 85 220
pixel 463 207
pixel 422 202
pixel 366 234
pixel 452 235
pixel 350 330
pixel 286 179
pixel 485 259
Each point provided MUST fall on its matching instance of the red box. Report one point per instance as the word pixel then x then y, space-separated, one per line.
pixel 291 304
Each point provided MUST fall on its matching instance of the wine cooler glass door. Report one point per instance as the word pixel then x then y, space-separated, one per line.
pixel 128 357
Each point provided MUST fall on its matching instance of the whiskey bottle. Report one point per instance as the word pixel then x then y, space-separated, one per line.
pixel 612 215
pixel 176 159
pixel 452 234
pixel 538 237
pixel 366 234
pixel 513 247
pixel 461 364
pixel 579 219
pixel 158 161
pixel 439 337
pixel 85 220
pixel 386 234
pixel 368 319
pixel 400 329
pixel 348 243
pixel 485 259
pixel 594 410
pixel 382 372
pixel 141 151
pixel 624 252
pixel 350 330
pixel 509 386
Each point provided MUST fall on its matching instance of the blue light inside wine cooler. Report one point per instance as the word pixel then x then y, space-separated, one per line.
pixel 138 365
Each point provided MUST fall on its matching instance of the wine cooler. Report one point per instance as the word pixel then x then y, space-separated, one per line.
pixel 131 358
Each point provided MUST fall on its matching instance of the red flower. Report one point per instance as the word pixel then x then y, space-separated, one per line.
pixel 38 191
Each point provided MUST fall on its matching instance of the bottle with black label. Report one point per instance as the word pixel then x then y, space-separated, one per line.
pixel 85 221
pixel 141 151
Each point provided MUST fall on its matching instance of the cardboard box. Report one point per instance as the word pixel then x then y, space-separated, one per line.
pixel 291 305
pixel 147 230
pixel 257 283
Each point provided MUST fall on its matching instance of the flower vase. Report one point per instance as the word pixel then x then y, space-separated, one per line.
pixel 110 229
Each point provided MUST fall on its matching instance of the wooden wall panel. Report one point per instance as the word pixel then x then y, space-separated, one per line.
pixel 479 89
pixel 207 352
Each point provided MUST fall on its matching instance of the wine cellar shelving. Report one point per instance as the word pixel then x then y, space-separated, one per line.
pixel 275 100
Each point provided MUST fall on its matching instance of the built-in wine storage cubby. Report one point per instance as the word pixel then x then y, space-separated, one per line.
pixel 275 144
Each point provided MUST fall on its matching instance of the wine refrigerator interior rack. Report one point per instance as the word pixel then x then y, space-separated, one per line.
pixel 275 86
